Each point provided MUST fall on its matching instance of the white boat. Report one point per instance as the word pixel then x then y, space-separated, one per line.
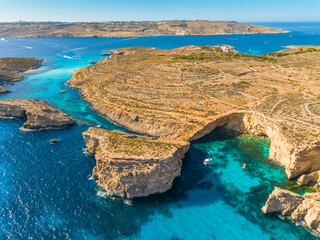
pixel 3 39
pixel 207 160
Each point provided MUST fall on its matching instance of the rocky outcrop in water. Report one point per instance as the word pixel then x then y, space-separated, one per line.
pixel 131 166
pixel 3 90
pixel 299 208
pixel 39 114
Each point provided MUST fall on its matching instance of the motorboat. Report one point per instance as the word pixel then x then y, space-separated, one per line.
pixel 207 160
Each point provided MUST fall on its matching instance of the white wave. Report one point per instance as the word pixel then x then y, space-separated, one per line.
pixel 127 202
pixel 28 130
pixel 74 49
pixel 91 178
pixel 102 194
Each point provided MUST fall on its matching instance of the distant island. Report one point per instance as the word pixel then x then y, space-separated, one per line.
pixel 129 29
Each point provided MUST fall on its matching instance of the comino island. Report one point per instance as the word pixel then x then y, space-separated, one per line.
pixel 129 29
pixel 160 120
pixel 179 95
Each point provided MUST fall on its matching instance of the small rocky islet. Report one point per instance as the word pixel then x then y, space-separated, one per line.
pixel 39 114
pixel 179 95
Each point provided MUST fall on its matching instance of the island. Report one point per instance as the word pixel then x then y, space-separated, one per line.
pixel 11 69
pixel 172 97
pixel 39 114
pixel 129 29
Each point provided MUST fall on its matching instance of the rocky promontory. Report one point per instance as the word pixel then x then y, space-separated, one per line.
pixel 39 114
pixel 299 208
pixel 130 165
pixel 11 69
pixel 185 93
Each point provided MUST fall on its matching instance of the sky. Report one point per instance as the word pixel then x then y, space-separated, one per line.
pixel 127 10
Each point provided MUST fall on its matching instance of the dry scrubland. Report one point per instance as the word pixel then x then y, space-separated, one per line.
pixel 184 89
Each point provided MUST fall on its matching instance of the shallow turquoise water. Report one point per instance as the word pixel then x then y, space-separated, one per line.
pixel 46 191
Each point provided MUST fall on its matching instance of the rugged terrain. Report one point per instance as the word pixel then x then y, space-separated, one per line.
pixel 132 165
pixel 182 94
pixel 39 114
pixel 129 29
pixel 11 69
pixel 299 208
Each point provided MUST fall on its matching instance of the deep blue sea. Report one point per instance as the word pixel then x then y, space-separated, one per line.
pixel 47 192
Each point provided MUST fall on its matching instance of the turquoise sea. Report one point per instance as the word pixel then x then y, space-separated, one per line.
pixel 47 192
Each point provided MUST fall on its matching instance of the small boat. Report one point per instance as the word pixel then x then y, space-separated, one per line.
pixel 207 160
pixel 244 165
pixel 53 141
pixel 3 39
pixel 62 91
pixel 105 53
pixel 92 62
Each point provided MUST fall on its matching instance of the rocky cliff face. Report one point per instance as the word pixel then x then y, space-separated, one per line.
pixel 131 166
pixel 185 93
pixel 40 115
pixel 299 208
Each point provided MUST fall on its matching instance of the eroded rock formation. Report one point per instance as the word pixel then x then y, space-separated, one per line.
pixel 299 208
pixel 39 114
pixel 185 93
pixel 132 166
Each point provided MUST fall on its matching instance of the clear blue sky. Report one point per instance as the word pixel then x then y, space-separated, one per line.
pixel 106 10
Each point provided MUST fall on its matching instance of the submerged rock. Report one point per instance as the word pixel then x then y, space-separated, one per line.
pixel 299 208
pixel 40 115
pixel 131 166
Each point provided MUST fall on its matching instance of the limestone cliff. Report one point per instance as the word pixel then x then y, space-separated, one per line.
pixel 185 93
pixel 39 114
pixel 299 208
pixel 132 166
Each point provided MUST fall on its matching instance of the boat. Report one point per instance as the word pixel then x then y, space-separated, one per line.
pixel 53 141
pixel 62 91
pixel 244 165
pixel 207 160
pixel 105 53
pixel 92 62
pixel 3 39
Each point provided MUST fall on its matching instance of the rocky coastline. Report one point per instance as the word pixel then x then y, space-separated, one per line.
pixel 304 208
pixel 183 94
pixel 39 114
pixel 12 68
